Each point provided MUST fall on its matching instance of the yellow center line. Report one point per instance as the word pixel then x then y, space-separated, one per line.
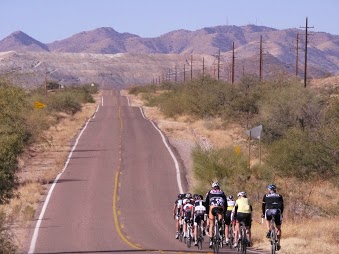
pixel 116 198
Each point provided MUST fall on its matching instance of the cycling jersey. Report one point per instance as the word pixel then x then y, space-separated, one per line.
pixel 216 198
pixel 230 205
pixel 178 204
pixel 199 207
pixel 187 211
pixel 272 201
pixel 242 205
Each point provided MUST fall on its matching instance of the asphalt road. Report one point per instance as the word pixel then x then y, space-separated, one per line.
pixel 117 191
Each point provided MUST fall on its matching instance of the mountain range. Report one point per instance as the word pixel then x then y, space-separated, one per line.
pixel 176 47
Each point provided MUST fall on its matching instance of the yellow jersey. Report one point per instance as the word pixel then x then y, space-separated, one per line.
pixel 243 205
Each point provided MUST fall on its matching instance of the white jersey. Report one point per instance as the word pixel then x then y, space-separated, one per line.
pixel 199 207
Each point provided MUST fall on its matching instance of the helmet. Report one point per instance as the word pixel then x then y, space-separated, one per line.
pixel 188 195
pixel 179 196
pixel 215 185
pixel 197 196
pixel 242 194
pixel 186 201
pixel 272 187
pixel 201 197
pixel 230 197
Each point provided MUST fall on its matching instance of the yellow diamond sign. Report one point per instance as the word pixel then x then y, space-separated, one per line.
pixel 39 105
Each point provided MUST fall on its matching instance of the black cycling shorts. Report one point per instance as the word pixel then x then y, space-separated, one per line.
pixel 276 213
pixel 245 217
pixel 228 217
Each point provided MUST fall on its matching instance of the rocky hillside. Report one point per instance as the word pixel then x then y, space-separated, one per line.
pixel 94 48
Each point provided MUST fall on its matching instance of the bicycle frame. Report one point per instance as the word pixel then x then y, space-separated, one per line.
pixel 190 235
pixel 273 236
pixel 200 237
pixel 242 242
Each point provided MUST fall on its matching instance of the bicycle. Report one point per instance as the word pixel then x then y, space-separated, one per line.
pixel 190 234
pixel 231 235
pixel 242 242
pixel 181 232
pixel 217 238
pixel 200 237
pixel 273 236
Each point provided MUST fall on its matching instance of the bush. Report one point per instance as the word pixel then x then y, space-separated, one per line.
pixel 6 237
pixel 224 165
pixel 67 102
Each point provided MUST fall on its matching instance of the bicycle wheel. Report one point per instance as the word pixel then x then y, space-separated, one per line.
pixel 200 237
pixel 189 238
pixel 231 236
pixel 273 240
pixel 181 234
pixel 243 240
pixel 216 237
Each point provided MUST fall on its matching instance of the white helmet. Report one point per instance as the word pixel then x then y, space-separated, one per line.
pixel 186 201
pixel 215 184
pixel 242 194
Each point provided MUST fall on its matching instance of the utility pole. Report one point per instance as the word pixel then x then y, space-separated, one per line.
pixel 191 67
pixel 306 42
pixel 203 67
pixel 45 78
pixel 219 65
pixel 297 56
pixel 176 74
pixel 233 61
pixel 260 60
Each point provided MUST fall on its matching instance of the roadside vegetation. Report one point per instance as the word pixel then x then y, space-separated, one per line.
pixel 25 116
pixel 299 146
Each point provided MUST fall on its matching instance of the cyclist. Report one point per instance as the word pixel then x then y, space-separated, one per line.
pixel 199 215
pixel 215 201
pixel 242 211
pixel 273 205
pixel 187 214
pixel 176 213
pixel 228 222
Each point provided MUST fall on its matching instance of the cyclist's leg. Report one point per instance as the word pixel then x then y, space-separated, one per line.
pixel 236 233
pixel 211 222
pixel 196 220
pixel 268 218
pixel 248 228
pixel 185 227
pixel 211 228
pixel 227 225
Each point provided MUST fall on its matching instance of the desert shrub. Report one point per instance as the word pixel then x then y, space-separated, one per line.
pixel 142 89
pixel 305 155
pixel 284 107
pixel 14 135
pixel 224 165
pixel 67 102
pixel 6 237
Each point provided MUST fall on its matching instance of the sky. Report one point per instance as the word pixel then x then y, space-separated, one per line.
pixel 51 20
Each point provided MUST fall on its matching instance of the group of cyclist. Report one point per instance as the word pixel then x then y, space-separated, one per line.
pixel 193 209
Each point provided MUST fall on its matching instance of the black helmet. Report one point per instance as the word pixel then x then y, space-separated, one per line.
pixel 230 197
pixel 188 195
pixel 272 187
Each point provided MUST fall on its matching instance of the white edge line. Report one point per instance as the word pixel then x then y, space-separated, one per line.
pixel 42 213
pixel 177 168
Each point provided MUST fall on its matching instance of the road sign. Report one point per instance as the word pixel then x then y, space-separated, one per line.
pixel 39 105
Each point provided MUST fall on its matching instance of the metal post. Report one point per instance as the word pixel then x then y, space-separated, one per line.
pixel 233 61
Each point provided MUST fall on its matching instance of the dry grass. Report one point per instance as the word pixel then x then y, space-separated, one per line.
pixel 311 236
pixel 40 164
